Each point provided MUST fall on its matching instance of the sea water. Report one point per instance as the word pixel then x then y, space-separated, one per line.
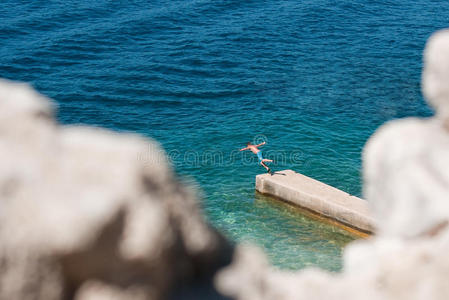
pixel 313 79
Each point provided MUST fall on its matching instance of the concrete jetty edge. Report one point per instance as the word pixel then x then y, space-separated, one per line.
pixel 317 197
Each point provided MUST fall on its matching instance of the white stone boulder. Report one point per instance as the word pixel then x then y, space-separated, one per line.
pixel 83 216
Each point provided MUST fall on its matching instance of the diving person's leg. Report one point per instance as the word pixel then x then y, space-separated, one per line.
pixel 265 166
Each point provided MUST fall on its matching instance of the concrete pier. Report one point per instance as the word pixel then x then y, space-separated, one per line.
pixel 317 197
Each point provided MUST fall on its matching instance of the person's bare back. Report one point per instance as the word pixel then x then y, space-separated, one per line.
pixel 255 149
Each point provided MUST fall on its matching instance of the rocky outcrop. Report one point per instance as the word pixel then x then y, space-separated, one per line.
pixel 89 214
pixel 406 181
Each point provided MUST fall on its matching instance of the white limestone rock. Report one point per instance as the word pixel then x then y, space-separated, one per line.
pixel 96 290
pixel 78 204
pixel 406 176
pixel 435 76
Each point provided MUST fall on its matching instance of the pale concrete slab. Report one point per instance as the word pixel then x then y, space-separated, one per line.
pixel 318 197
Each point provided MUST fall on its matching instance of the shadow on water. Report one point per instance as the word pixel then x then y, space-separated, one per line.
pixel 278 173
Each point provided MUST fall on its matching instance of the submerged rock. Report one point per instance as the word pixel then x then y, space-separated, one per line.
pixel 90 214
pixel 406 181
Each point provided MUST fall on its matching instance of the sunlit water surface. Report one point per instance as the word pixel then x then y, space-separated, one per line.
pixel 312 78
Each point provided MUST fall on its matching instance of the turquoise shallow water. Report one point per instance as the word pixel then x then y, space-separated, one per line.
pixel 294 240
pixel 312 78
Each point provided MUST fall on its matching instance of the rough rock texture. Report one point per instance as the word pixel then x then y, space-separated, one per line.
pixel 317 196
pixel 406 181
pixel 89 214
pixel 436 73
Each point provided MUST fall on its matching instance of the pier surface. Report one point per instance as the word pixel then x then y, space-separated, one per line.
pixel 318 197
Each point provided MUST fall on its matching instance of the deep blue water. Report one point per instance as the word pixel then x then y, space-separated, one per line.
pixel 312 78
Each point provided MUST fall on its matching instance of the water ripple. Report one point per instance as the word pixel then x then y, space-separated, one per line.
pixel 314 77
